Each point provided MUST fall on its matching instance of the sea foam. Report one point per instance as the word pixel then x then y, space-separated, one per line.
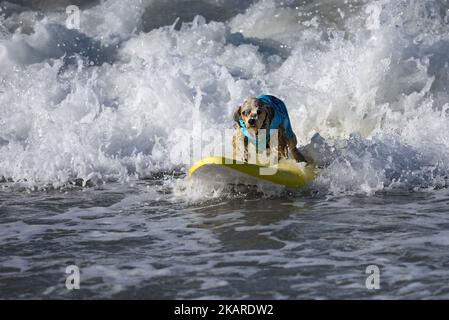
pixel 115 101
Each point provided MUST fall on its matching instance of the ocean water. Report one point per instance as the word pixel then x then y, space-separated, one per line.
pixel 99 124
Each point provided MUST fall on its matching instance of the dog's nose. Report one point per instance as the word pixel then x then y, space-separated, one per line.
pixel 251 121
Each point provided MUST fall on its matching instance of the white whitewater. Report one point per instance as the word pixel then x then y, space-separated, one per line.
pixel 115 101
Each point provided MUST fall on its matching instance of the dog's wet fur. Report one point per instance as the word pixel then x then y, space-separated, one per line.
pixel 258 115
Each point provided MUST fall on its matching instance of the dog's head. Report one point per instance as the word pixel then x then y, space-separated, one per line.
pixel 254 113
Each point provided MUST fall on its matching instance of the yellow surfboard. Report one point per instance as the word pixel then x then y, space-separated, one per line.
pixel 286 173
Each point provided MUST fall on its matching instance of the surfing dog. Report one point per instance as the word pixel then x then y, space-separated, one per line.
pixel 264 115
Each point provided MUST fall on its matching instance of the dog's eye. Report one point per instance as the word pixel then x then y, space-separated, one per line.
pixel 259 111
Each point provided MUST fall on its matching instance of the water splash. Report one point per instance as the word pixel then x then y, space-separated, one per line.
pixel 114 100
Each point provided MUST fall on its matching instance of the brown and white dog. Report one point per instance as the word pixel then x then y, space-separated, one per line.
pixel 264 112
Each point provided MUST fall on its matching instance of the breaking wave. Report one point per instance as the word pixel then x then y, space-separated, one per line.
pixel 122 97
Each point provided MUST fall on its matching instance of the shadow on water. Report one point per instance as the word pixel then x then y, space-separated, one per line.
pixel 247 224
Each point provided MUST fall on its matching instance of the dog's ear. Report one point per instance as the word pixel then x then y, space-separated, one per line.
pixel 237 114
pixel 270 112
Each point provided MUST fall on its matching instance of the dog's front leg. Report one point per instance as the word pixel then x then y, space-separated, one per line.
pixel 235 148
pixel 239 147
pixel 294 150
pixel 245 149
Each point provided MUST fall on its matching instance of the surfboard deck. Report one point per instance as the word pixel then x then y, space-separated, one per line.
pixel 287 173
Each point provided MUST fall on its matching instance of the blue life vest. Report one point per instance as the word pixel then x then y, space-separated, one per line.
pixel 280 118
